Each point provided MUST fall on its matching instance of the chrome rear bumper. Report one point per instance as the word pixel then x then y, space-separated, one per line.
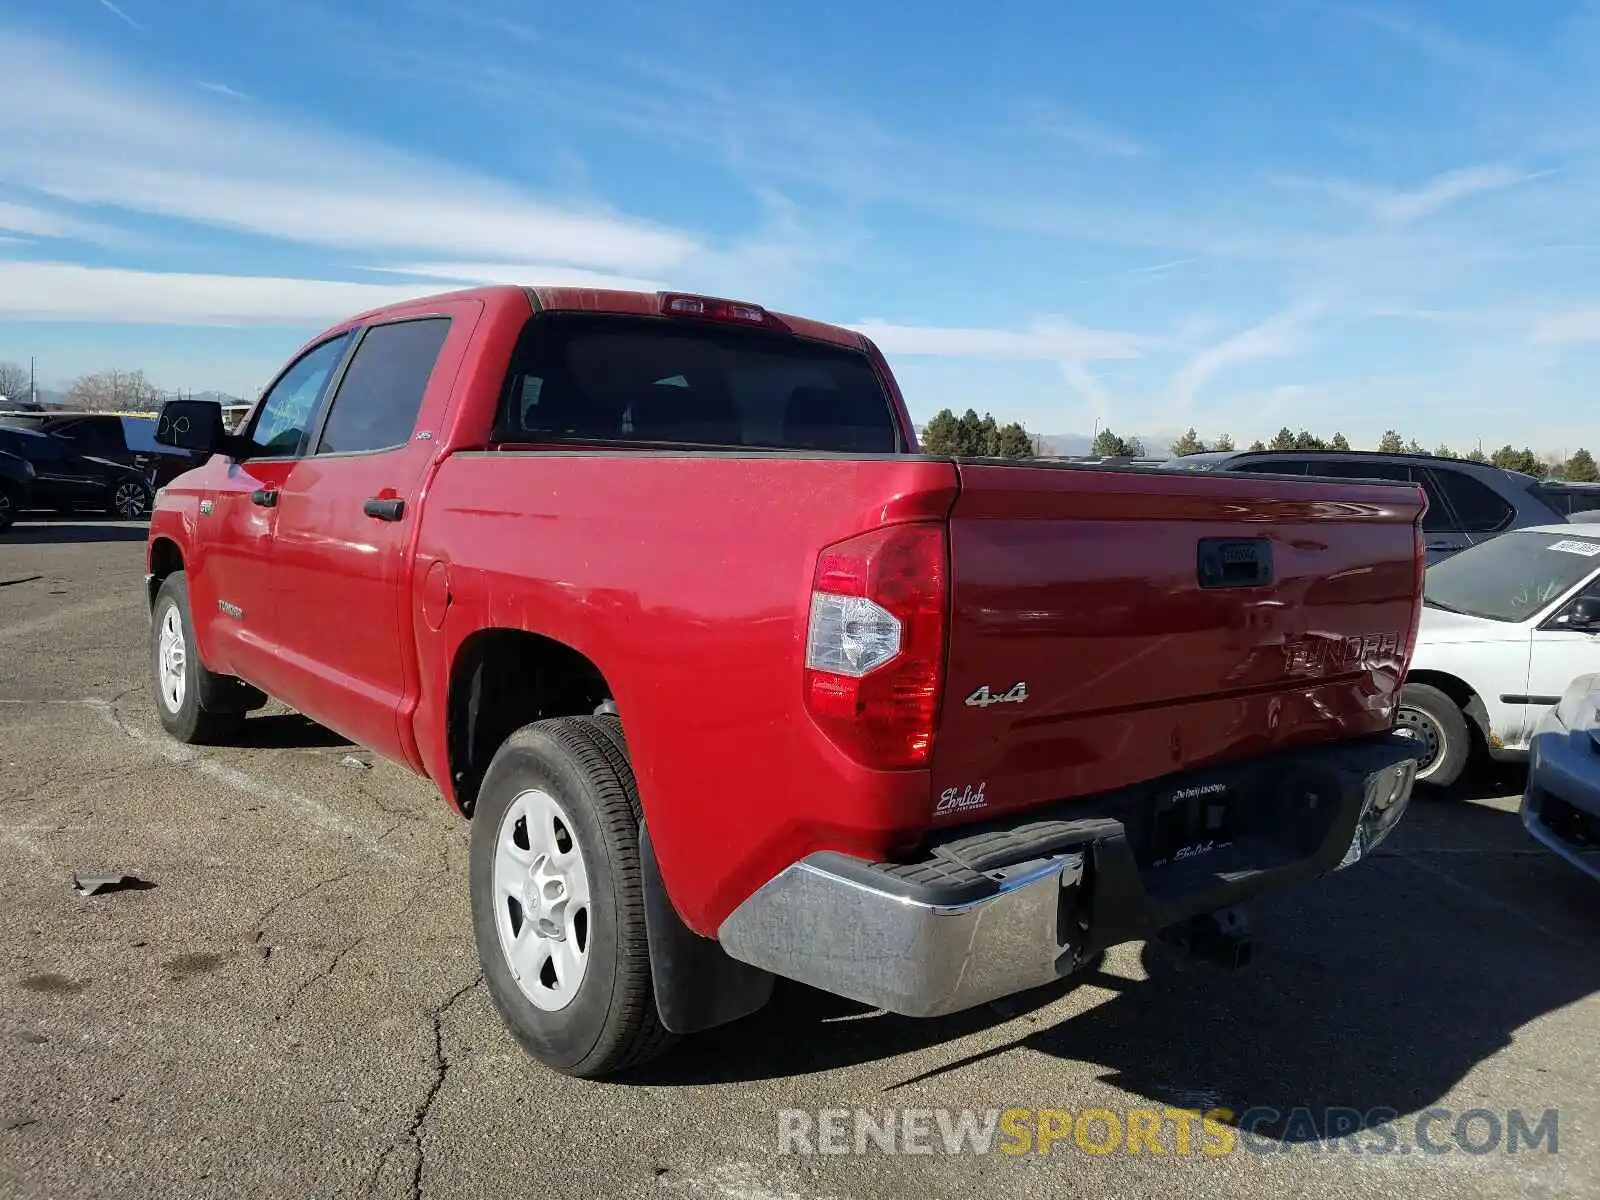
pixel 1012 907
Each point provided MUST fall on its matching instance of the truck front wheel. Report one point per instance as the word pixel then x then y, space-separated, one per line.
pixel 558 899
pixel 178 675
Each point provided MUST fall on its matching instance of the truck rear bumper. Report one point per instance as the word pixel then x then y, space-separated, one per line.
pixel 1006 906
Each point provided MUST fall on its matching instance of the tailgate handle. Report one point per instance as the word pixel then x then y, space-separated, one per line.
pixel 384 508
pixel 265 497
pixel 1235 562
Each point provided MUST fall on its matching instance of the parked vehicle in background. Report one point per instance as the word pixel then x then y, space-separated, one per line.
pixel 66 480
pixel 16 486
pixel 1505 628
pixel 736 684
pixel 1561 804
pixel 1468 502
pixel 129 440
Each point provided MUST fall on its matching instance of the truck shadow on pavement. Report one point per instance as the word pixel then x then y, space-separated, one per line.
pixel 286 731
pixel 72 532
pixel 1375 989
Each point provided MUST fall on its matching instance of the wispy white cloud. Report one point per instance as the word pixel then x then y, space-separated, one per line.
pixel 1083 134
pixel 1447 188
pixel 119 14
pixel 69 292
pixel 522 274
pixel 83 131
pixel 1579 327
pixel 1044 341
pixel 1400 206
pixel 39 222
pixel 1282 334
pixel 220 89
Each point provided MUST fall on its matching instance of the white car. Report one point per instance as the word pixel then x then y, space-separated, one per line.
pixel 1507 625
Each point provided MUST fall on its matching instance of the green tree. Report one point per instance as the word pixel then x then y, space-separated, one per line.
pixel 1509 458
pixel 1339 442
pixel 1012 441
pixel 973 437
pixel 1258 445
pixel 1106 444
pixel 1391 443
pixel 1414 447
pixel 1133 447
pixel 1284 439
pixel 1225 442
pixel 1308 441
pixel 1581 468
pixel 943 434
pixel 1443 451
pixel 1476 455
pixel 1189 443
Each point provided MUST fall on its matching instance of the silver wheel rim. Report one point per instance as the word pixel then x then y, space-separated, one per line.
pixel 541 900
pixel 171 659
pixel 1417 725
pixel 129 500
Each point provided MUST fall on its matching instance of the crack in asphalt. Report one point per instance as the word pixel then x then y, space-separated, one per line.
pixel 441 1068
pixel 317 976
pixel 261 922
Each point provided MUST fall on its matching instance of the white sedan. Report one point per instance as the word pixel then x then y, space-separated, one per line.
pixel 1506 626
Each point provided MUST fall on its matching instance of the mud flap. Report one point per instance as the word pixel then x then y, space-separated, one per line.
pixel 697 985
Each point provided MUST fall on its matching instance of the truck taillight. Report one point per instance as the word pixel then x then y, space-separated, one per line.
pixel 875 643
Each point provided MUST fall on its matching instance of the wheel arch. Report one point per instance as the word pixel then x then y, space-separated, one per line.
pixel 1465 697
pixel 502 678
pixel 164 559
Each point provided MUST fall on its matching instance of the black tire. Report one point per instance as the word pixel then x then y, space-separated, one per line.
pixel 1437 722
pixel 611 1022
pixel 124 494
pixel 188 720
pixel 10 503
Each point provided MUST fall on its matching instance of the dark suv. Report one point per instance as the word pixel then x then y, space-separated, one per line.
pixel 1468 502
pixel 129 441
pixel 64 479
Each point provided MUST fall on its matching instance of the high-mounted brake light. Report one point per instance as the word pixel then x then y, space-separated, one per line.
pixel 709 308
pixel 875 644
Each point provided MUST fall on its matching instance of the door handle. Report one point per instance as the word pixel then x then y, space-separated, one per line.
pixel 384 510
pixel 265 497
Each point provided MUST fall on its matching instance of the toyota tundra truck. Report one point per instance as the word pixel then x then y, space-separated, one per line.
pixel 734 682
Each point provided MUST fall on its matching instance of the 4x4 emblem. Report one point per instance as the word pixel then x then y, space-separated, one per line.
pixel 983 697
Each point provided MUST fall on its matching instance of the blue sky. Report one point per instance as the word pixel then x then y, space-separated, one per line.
pixel 1236 214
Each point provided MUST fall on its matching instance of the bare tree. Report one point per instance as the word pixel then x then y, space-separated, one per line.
pixel 14 381
pixel 114 391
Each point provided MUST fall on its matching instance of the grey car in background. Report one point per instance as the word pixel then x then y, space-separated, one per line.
pixel 1468 502
pixel 1561 805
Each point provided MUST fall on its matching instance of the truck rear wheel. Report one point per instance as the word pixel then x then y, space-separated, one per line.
pixel 177 674
pixel 558 899
pixel 1437 724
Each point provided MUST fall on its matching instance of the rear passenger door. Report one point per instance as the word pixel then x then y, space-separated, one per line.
pixel 346 517
pixel 1479 512
pixel 1441 530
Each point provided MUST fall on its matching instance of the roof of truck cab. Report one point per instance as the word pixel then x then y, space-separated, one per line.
pixel 549 298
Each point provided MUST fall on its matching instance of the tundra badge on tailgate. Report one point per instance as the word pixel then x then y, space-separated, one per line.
pixel 983 697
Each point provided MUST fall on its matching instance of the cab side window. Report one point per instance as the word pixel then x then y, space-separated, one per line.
pixel 381 393
pixel 287 411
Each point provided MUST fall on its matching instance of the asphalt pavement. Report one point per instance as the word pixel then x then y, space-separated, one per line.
pixel 289 1004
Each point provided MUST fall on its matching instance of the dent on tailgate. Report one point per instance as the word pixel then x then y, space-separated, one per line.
pixel 1085 654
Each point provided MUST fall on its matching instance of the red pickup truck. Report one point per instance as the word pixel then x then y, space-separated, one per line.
pixel 735 683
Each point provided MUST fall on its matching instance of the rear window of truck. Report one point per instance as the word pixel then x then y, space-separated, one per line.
pixel 585 377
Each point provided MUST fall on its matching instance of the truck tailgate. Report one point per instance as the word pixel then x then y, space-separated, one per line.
pixel 1111 627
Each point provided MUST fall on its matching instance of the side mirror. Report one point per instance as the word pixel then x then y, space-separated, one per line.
pixel 1584 615
pixel 194 425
